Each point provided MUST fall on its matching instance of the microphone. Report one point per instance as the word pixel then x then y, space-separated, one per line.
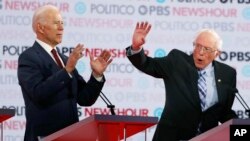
pixel 242 101
pixel 108 103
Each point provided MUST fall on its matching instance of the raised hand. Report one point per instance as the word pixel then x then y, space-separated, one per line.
pixel 74 57
pixel 140 33
pixel 100 64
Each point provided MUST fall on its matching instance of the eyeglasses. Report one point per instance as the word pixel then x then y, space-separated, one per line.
pixel 203 48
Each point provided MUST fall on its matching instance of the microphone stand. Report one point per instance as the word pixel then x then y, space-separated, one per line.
pixel 108 103
pixel 242 102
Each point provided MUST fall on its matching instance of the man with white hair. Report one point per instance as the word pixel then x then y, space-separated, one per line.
pixel 199 89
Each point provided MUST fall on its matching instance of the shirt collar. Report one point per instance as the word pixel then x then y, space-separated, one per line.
pixel 209 69
pixel 44 45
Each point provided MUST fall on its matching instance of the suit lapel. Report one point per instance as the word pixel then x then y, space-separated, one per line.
pixel 44 55
pixel 218 72
pixel 219 81
pixel 49 62
pixel 194 95
pixel 51 67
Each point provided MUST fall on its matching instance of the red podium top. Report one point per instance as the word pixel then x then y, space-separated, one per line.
pixel 6 114
pixel 103 128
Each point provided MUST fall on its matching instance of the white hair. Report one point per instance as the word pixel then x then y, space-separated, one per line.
pixel 218 42
pixel 39 15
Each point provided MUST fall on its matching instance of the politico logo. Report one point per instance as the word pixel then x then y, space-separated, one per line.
pixel 112 9
pixel 13 50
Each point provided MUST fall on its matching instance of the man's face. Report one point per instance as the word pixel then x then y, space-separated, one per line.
pixel 53 28
pixel 204 50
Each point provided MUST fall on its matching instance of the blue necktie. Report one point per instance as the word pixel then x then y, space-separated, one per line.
pixel 202 88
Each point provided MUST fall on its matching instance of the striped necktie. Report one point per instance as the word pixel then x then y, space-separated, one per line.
pixel 202 88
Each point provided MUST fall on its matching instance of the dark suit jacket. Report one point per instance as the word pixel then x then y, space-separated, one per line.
pixel 50 94
pixel 182 110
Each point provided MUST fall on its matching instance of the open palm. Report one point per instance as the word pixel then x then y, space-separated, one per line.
pixel 99 64
pixel 140 33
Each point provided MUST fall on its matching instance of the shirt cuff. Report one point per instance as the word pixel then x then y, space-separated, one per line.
pixel 132 52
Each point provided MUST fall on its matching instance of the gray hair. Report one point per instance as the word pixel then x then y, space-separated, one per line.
pixel 39 15
pixel 218 42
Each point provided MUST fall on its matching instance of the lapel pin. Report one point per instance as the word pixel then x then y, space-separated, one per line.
pixel 219 80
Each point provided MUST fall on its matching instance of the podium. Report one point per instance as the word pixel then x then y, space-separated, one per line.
pixel 4 115
pixel 103 128
pixel 221 132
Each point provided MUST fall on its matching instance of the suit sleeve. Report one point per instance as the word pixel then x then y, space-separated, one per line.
pixel 156 67
pixel 230 100
pixel 88 92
